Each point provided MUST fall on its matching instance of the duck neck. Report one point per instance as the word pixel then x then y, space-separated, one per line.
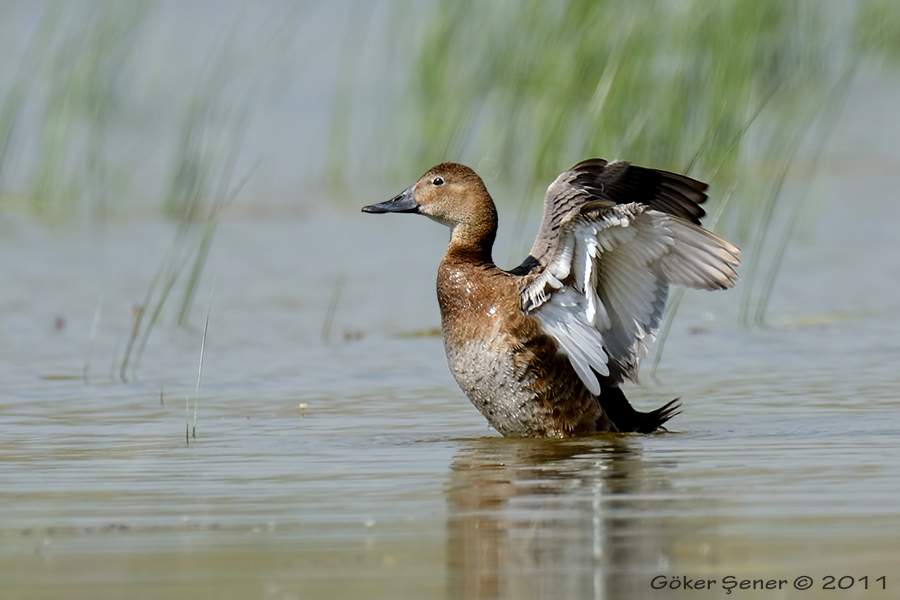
pixel 473 240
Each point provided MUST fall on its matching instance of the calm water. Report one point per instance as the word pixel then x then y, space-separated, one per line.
pixel 388 484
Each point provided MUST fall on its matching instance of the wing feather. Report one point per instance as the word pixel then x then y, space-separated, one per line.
pixel 603 292
pixel 619 182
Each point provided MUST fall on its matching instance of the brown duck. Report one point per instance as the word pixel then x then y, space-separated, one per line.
pixel 542 349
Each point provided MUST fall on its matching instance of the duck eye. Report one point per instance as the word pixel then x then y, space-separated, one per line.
pixel 437 181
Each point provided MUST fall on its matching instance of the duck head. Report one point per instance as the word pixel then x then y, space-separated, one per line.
pixel 451 194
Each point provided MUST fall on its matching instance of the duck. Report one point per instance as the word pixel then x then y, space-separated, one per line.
pixel 542 350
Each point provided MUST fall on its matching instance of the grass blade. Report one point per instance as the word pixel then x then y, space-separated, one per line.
pixel 95 324
pixel 202 351
pixel 831 111
pixel 332 307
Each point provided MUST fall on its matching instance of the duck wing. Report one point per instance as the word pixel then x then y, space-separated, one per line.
pixel 619 182
pixel 602 293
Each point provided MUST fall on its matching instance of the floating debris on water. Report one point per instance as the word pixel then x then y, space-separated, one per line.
pixel 430 332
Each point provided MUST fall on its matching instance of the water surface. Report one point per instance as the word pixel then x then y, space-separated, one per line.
pixel 388 483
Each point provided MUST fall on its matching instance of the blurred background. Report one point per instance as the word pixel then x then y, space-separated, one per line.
pixel 188 112
pixel 172 172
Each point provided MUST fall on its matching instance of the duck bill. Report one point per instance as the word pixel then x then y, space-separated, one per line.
pixel 404 202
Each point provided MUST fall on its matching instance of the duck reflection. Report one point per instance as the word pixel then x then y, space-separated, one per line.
pixel 567 519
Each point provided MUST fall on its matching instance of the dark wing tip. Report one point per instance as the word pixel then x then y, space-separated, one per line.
pixel 623 182
pixel 618 182
pixel 590 163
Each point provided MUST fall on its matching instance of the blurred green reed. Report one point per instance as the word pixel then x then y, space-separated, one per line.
pixel 735 91
pixel 538 86
pixel 174 262
pixel 76 71
pixel 200 175
pixel 78 63
pixel 878 29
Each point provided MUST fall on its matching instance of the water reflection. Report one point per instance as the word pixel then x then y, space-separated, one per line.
pixel 531 518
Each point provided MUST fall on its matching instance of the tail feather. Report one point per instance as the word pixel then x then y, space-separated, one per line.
pixel 655 419
pixel 627 419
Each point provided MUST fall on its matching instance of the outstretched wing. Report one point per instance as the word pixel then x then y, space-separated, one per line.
pixel 618 182
pixel 602 293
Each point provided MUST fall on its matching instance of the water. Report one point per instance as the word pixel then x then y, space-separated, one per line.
pixel 388 484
